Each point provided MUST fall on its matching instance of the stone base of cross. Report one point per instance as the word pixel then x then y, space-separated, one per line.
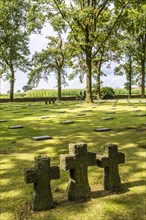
pixel 41 176
pixel 77 162
pixel 110 164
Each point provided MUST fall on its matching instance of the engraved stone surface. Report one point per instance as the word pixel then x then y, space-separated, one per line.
pixel 102 129
pixel 3 120
pixel 16 127
pixel 40 176
pixel 141 115
pixel 108 118
pixel 40 138
pixel 67 122
pixel 77 162
pixel 110 164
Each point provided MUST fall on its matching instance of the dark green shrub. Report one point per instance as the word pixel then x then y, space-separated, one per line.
pixel 107 93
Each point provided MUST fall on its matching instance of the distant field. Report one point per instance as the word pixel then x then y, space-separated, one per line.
pixel 65 92
pixel 128 131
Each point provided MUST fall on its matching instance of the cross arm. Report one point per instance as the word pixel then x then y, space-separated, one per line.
pixel 67 162
pixel 91 158
pixel 54 172
pixel 102 161
pixel 29 176
pixel 121 157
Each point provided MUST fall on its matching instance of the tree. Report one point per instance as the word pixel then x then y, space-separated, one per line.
pixel 13 40
pixel 82 18
pixel 134 41
pixel 27 88
pixel 51 60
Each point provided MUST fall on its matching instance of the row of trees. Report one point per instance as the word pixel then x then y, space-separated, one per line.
pixel 88 34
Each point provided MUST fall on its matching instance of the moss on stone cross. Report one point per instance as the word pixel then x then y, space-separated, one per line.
pixel 41 176
pixel 110 164
pixel 77 162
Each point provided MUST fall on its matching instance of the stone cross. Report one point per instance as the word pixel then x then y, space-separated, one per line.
pixel 41 176
pixel 77 162
pixel 110 164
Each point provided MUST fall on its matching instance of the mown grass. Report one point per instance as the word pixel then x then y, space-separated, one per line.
pixel 18 152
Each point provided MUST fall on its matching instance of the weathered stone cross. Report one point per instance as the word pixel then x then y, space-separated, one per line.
pixel 110 164
pixel 41 176
pixel 77 162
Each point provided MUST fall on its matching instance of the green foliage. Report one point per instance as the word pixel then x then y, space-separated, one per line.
pixel 26 88
pixel 14 40
pixel 107 93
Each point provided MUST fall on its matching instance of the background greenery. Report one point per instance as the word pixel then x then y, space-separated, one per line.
pixel 65 92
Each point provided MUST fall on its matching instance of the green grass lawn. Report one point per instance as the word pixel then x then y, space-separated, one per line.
pixel 128 131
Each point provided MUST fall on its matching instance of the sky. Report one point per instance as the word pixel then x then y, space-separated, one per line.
pixel 39 42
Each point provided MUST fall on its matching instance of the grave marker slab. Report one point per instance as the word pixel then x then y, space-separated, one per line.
pixel 102 129
pixel 88 110
pixel 40 176
pixel 3 120
pixel 81 114
pixel 77 162
pixel 40 138
pixel 108 118
pixel 15 127
pixel 61 112
pixel 110 112
pixel 67 122
pixel 110 164
pixel 140 115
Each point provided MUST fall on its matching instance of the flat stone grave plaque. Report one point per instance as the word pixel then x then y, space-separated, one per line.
pixel 134 106
pixel 110 112
pixel 42 117
pixel 88 110
pixel 67 122
pixel 102 129
pixel 61 112
pixel 140 115
pixel 40 138
pixel 45 110
pixel 15 127
pixel 27 114
pixel 3 120
pixel 16 112
pixel 81 114
pixel 107 118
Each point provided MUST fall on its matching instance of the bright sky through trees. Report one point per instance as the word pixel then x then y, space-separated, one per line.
pixel 39 42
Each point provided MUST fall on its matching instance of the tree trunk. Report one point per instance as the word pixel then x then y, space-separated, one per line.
pixel 98 81
pixel 59 85
pixel 130 77
pixel 88 79
pixel 12 80
pixel 143 74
